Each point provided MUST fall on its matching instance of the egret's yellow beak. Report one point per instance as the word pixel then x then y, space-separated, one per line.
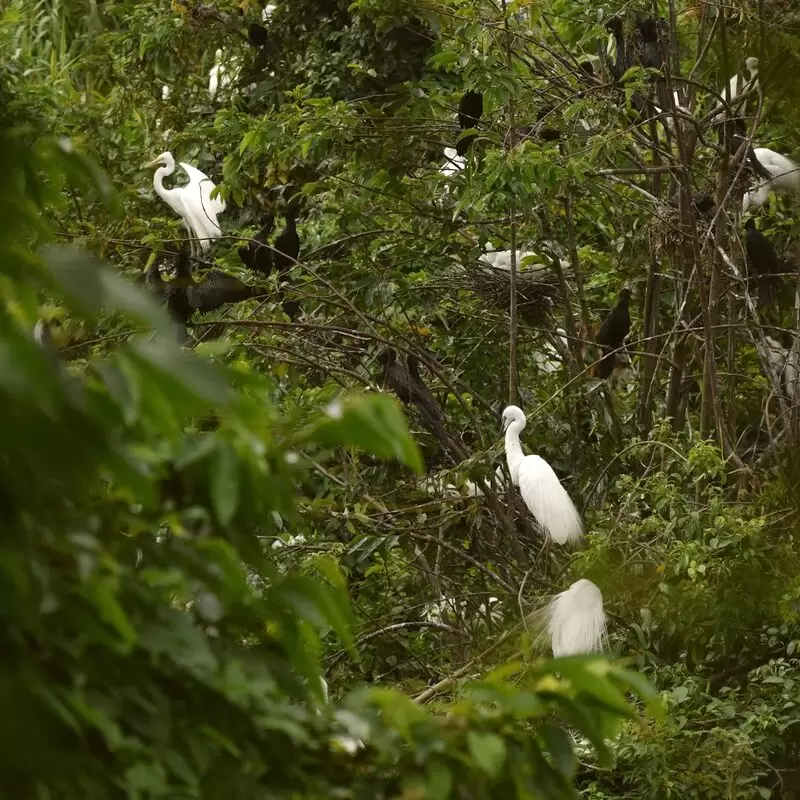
pixel 156 162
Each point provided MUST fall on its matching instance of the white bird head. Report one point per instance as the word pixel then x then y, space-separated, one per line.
pixel 512 414
pixel 751 62
pixel 165 92
pixel 164 160
pixel 218 56
pixel 450 153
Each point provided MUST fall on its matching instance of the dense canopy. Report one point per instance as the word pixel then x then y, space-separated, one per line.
pixel 259 537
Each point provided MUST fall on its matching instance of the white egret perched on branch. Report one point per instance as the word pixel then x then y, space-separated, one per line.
pixel 193 202
pixel 539 486
pixel 785 178
pixel 575 620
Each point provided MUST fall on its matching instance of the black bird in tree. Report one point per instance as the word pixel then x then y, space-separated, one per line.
pixel 470 110
pixel 622 61
pixel 283 255
pixel 183 295
pixel 611 335
pixel 406 382
pixel 762 263
pixel 257 35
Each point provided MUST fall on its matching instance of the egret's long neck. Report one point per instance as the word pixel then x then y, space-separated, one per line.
pixel 514 454
pixel 158 181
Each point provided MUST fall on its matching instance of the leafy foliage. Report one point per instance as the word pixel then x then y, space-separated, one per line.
pixel 192 536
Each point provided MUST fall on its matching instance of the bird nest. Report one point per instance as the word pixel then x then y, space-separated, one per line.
pixel 538 290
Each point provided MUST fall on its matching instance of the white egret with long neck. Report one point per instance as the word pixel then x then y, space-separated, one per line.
pixel 539 486
pixel 192 203
pixel 576 621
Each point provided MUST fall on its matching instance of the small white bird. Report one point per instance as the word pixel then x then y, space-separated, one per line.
pixel 785 178
pixel 165 92
pixel 219 76
pixel 267 12
pixel 192 203
pixel 576 621
pixel 539 486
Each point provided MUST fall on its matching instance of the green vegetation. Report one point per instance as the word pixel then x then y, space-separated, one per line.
pixel 193 535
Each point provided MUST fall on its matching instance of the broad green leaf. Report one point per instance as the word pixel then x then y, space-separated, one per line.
pixel 224 481
pixel 488 750
pixel 372 422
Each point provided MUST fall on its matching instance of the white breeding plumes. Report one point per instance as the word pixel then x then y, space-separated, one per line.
pixel 539 486
pixel 192 203
pixel 785 178
pixel 575 620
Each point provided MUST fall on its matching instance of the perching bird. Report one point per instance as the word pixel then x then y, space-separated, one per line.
pixel 612 333
pixel 762 262
pixel 539 486
pixel 183 295
pixel 576 621
pixel 470 110
pixel 406 382
pixel 622 60
pixel 648 48
pixel 219 77
pixel 283 255
pixel 785 178
pixel 257 35
pixel 737 85
pixel 193 202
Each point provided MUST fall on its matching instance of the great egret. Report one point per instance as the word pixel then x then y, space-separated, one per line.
pixel 612 334
pixel 576 621
pixel 539 486
pixel 762 262
pixel 785 177
pixel 738 86
pixel 192 203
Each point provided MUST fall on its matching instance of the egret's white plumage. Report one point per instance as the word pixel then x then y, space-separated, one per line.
pixel 738 85
pixel 192 203
pixel 267 11
pixel 785 178
pixel 454 163
pixel 501 259
pixel 539 486
pixel 575 620
pixel 165 92
pixel 220 75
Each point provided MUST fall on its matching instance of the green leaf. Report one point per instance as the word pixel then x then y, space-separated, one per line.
pixel 95 287
pixel 439 780
pixel 559 745
pixel 224 482
pixel 488 751
pixel 373 422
